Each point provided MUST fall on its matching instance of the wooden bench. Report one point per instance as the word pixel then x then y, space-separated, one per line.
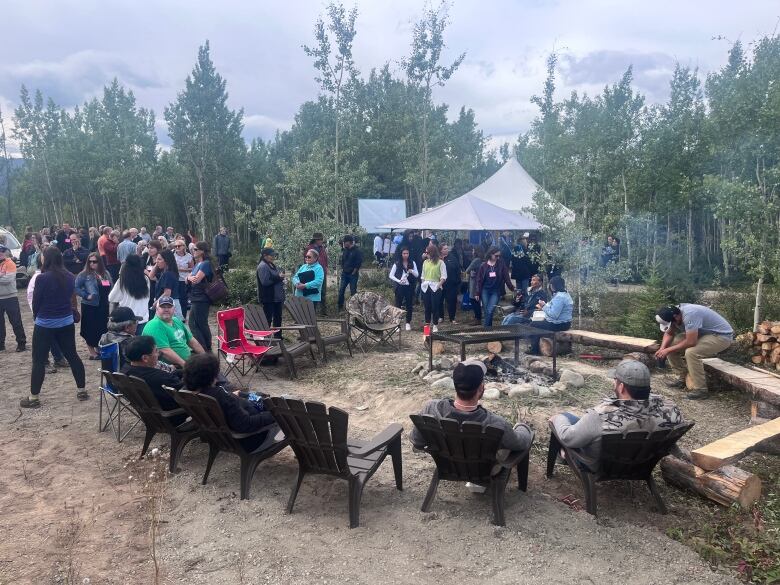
pixel 735 446
pixel 617 342
pixel 764 387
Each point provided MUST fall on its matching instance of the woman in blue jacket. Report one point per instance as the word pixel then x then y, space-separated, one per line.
pixel 557 313
pixel 93 284
pixel 313 287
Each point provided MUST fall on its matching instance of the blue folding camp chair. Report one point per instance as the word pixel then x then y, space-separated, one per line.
pixel 115 403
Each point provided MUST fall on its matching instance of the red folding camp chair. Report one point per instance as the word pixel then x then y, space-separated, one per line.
pixel 240 355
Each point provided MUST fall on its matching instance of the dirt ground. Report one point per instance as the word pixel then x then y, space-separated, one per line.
pixel 78 507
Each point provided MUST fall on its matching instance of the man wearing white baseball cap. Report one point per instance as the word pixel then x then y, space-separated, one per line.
pixel 633 408
pixel 691 333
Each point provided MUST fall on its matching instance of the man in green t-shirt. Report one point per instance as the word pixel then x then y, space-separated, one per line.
pixel 172 337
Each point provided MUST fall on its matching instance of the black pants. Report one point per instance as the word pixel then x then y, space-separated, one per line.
pixel 10 307
pixel 184 299
pixel 199 323
pixel 432 302
pixel 113 270
pixel 224 260
pixel 549 327
pixel 273 314
pixel 451 296
pixel 41 344
pixel 403 299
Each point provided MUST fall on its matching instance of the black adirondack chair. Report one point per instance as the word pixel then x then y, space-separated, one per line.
pixel 254 318
pixel 303 313
pixel 156 420
pixel 319 439
pixel 208 415
pixel 470 452
pixel 629 457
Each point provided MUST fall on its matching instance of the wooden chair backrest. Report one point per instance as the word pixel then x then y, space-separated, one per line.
pixel 208 415
pixel 145 403
pixel 317 435
pixel 304 313
pixel 462 451
pixel 634 455
pixel 254 318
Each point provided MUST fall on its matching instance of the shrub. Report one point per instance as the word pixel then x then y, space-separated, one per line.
pixel 242 287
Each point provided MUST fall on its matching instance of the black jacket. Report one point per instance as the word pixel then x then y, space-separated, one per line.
pixel 351 260
pixel 452 263
pixel 242 417
pixel 156 379
pixel 270 284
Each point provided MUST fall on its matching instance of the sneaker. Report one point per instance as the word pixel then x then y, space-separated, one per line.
pixel 28 402
pixel 475 488
pixel 82 394
pixel 674 382
pixel 21 347
pixel 453 322
pixel 435 329
pixel 408 327
pixel 698 394
pixel 63 363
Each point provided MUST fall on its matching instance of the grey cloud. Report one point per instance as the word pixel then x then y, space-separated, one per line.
pixel 652 71
pixel 75 77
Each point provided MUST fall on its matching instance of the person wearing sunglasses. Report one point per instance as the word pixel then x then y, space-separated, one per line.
pixel 307 281
pixel 493 275
pixel 93 285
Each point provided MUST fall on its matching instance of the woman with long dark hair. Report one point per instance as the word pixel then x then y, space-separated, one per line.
pixel 434 274
pixel 491 278
pixel 200 277
pixel 132 289
pixel 93 285
pixel 404 274
pixel 168 280
pixel 54 305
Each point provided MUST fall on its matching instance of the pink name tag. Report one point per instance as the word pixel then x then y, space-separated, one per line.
pixel 67 240
pixel 492 274
pixel 105 283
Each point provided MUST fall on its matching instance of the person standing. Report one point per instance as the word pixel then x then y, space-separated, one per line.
pixel 132 290
pixel 404 274
pixel 111 247
pixel 169 235
pixel 351 261
pixel 270 288
pixel 472 270
pixel 311 288
pixel 491 278
pixel 521 264
pixel 434 274
pixel 149 258
pixel 201 275
pixel 75 257
pixel 54 305
pixel 9 302
pixel 452 284
pixel 317 244
pixel 125 247
pixel 378 242
pixel 222 248
pixel 144 235
pixel 184 265
pixel 557 313
pixel 56 354
pixel 691 333
pixel 93 285
pixel 167 275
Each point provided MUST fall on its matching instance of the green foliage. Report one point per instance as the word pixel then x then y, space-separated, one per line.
pixel 639 318
pixel 242 287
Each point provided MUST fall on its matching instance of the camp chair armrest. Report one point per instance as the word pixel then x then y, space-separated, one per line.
pixel 174 412
pixel 507 458
pixel 253 433
pixel 379 441
pixel 331 320
pixel 251 334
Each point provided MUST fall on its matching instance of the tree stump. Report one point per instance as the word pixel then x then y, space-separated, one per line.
pixel 495 346
pixel 726 485
pixel 438 347
pixel 545 347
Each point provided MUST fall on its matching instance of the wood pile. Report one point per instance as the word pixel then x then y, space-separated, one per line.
pixel 764 344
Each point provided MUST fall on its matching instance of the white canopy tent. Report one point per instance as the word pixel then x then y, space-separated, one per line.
pixel 466 213
pixel 511 187
pixel 373 212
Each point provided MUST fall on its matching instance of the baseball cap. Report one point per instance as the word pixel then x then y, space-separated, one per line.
pixel 469 374
pixel 664 317
pixel 165 300
pixel 631 372
pixel 267 252
pixel 123 314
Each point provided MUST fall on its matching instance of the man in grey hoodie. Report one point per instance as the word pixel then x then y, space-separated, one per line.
pixel 633 408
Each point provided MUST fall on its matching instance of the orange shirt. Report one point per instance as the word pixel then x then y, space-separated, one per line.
pixel 100 243
pixel 7 266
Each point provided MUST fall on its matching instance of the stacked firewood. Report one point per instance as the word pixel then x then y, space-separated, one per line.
pixel 764 344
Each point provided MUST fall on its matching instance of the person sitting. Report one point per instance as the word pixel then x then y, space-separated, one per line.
pixel 469 387
pixel 122 325
pixel 524 307
pixel 143 362
pixel 557 313
pixel 173 338
pixel 634 408
pixel 201 374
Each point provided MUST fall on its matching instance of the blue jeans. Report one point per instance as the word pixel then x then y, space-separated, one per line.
pixel 489 302
pixel 515 319
pixel 572 418
pixel 523 284
pixel 350 280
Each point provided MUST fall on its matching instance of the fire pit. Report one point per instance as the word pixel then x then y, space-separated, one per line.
pixel 509 372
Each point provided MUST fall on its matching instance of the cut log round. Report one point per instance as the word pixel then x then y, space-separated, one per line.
pixel 775 355
pixel 761 412
pixel 757 359
pixel 765 327
pixel 545 346
pixel 763 338
pixel 775 330
pixel 438 347
pixel 495 346
pixel 726 485
pixel 768 345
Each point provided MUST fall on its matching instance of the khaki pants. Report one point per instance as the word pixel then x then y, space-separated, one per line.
pixel 707 346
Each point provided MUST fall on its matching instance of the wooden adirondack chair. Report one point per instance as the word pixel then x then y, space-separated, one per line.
pixel 319 439
pixel 470 452
pixel 303 313
pixel 629 457
pixel 156 420
pixel 208 415
pixel 254 319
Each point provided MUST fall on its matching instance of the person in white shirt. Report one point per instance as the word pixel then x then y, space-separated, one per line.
pixel 132 289
pixel 434 273
pixel 404 274
pixel 185 264
pixel 386 243
pixel 378 244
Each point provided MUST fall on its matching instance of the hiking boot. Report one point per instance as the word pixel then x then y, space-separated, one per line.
pixel 698 394
pixel 28 402
pixel 675 382
pixel 21 347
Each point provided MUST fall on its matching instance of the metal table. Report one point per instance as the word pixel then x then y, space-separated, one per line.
pixel 470 335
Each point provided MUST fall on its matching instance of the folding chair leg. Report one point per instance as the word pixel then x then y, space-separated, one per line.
pixel 431 492
pixel 657 495
pixel 355 495
pixel 294 493
pixel 395 452
pixel 213 452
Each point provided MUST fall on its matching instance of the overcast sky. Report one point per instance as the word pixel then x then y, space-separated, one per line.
pixel 71 48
